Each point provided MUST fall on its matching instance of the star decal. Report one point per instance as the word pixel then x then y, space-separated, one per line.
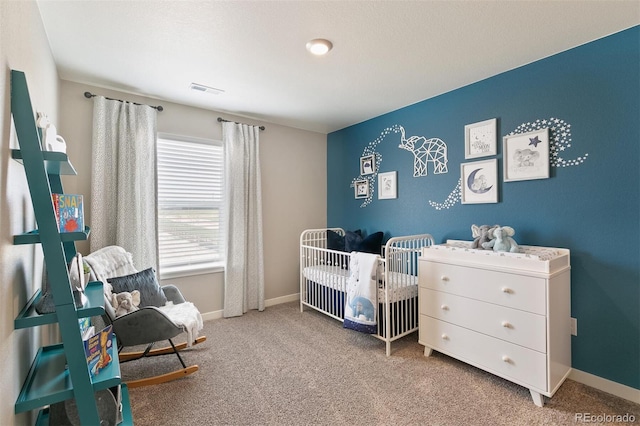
pixel 535 141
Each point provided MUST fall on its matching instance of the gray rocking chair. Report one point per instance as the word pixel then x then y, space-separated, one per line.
pixel 148 324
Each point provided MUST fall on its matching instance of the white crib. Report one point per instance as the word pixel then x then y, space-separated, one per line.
pixel 324 274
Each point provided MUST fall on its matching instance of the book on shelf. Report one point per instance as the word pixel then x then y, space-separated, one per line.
pixel 69 209
pixel 99 350
pixel 86 329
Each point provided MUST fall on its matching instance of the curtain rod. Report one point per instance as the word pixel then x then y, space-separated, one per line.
pixel 220 120
pixel 90 95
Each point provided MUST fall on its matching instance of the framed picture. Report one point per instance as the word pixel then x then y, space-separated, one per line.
pixel 387 185
pixel 526 156
pixel 479 182
pixel 480 139
pixel 368 165
pixel 361 188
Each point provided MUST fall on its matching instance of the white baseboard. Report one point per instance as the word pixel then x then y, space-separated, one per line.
pixel 588 379
pixel 269 302
pixel 212 315
pixel 606 385
pixel 284 299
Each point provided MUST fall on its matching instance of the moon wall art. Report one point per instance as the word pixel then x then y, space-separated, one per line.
pixel 479 182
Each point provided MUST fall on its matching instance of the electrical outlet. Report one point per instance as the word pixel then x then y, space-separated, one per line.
pixel 574 327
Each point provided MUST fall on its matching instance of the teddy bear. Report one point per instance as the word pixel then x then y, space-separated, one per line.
pixel 481 235
pixel 501 240
pixel 125 302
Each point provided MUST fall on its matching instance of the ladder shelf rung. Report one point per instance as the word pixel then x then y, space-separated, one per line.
pixel 55 163
pixel 28 317
pixel 33 237
pixel 49 381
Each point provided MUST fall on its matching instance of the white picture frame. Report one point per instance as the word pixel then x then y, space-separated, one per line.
pixel 481 139
pixel 479 182
pixel 361 188
pixel 387 185
pixel 526 156
pixel 368 165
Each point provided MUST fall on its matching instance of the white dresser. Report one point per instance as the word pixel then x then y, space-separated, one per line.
pixel 506 313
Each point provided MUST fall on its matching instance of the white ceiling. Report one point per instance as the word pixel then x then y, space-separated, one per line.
pixel 386 55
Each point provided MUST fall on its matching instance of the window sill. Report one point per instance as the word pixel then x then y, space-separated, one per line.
pixel 176 272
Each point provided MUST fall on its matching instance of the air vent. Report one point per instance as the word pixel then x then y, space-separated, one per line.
pixel 202 88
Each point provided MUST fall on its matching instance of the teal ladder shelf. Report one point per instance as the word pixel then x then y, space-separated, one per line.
pixel 59 372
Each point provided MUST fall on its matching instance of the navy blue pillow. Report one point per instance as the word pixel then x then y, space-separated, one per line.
pixel 370 244
pixel 335 241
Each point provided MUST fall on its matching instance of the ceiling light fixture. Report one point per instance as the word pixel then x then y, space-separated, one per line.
pixel 202 88
pixel 319 46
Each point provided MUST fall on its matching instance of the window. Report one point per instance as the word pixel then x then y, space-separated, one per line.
pixel 190 205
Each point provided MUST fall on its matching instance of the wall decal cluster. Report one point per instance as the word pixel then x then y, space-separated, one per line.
pixel 452 199
pixel 425 151
pixel 559 140
pixel 434 150
pixel 370 149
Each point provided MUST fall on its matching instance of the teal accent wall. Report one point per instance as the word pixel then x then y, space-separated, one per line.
pixel 591 207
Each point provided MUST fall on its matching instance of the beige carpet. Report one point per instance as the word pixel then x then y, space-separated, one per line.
pixel 283 367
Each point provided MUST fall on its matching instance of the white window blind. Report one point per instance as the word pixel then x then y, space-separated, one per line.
pixel 190 197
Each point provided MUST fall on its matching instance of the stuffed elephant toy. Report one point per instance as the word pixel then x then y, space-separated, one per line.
pixel 501 240
pixel 481 235
pixel 125 302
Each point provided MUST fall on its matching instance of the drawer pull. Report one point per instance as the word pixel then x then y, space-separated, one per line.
pixel 506 324
pixel 444 307
pixel 506 359
pixel 444 278
pixel 507 290
pixel 445 337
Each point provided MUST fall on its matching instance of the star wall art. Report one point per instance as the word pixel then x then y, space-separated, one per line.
pixel 560 140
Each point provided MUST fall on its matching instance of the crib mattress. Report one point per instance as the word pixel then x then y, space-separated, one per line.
pixel 404 286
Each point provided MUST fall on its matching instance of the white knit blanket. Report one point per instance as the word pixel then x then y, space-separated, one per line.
pixel 185 315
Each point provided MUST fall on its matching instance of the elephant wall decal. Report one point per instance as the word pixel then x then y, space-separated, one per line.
pixel 425 151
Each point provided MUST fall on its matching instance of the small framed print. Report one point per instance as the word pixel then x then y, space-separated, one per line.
pixel 361 188
pixel 387 186
pixel 480 139
pixel 479 182
pixel 368 165
pixel 526 156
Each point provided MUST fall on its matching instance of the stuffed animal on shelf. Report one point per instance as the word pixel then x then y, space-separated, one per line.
pixel 481 235
pixel 501 240
pixel 125 302
pixel 51 140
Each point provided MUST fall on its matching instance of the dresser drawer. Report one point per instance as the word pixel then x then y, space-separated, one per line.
pixel 507 360
pixel 512 290
pixel 515 326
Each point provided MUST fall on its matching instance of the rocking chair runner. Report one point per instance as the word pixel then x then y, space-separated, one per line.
pixel 149 324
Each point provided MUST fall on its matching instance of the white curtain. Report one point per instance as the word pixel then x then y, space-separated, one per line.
pixel 123 180
pixel 244 272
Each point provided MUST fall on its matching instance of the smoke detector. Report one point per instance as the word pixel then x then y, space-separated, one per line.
pixel 206 89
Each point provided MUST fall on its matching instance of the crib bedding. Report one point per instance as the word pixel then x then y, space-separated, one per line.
pixel 335 277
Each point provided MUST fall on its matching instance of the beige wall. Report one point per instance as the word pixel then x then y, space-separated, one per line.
pixel 294 190
pixel 24 47
pixel 293 181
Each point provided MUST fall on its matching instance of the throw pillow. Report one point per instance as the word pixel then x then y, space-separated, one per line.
pixel 144 281
pixel 335 241
pixel 371 244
